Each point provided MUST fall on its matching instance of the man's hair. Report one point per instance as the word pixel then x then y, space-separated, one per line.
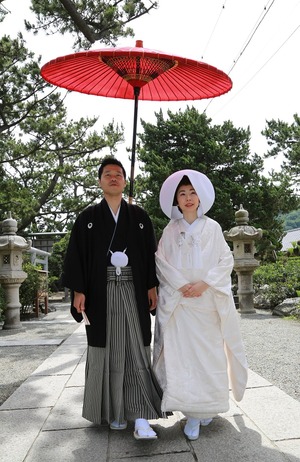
pixel 110 161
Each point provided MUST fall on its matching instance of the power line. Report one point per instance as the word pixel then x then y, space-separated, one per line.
pixel 255 74
pixel 248 41
pixel 214 28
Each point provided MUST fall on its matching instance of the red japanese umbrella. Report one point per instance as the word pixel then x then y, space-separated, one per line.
pixel 136 73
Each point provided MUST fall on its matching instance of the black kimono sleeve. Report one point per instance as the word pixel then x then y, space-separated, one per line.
pixel 73 275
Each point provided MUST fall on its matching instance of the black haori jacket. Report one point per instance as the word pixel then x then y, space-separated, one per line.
pixel 85 266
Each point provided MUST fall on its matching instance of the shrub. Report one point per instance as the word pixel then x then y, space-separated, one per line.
pixel 294 250
pixel 56 261
pixel 29 287
pixel 27 292
pixel 281 279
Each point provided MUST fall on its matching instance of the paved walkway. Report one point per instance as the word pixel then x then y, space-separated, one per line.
pixel 41 422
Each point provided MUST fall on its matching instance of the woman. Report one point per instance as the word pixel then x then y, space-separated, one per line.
pixel 198 346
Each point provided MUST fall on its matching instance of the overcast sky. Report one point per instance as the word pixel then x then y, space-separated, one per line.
pixel 256 42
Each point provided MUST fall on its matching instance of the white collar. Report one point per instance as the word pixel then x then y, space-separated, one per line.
pixel 190 226
pixel 115 216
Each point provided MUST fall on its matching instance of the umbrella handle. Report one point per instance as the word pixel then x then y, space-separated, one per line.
pixel 136 100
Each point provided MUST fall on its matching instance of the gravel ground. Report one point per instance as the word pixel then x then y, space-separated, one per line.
pixel 272 345
pixel 15 368
pixel 18 362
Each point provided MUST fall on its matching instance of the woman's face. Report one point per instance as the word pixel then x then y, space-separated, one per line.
pixel 187 199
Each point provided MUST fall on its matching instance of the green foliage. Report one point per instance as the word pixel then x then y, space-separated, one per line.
pixel 29 287
pixel 280 280
pixel 56 261
pixel 188 140
pixel 48 165
pixel 88 20
pixel 294 251
pixel 3 11
pixel 284 141
pixel 20 82
pixel 291 220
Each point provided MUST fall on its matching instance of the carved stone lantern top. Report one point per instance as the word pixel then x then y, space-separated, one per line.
pixel 9 240
pixel 243 231
pixel 241 216
pixel 10 225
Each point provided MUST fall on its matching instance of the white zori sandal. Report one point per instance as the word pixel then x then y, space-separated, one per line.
pixel 118 426
pixel 192 428
pixel 143 431
pixel 205 422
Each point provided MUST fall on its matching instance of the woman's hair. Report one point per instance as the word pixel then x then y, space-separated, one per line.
pixel 185 181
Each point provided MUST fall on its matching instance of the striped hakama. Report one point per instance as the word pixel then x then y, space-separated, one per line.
pixel 119 382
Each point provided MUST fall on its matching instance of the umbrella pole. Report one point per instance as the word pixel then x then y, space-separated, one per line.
pixel 136 100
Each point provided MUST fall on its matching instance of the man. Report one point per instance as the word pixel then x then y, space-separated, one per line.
pixel 110 269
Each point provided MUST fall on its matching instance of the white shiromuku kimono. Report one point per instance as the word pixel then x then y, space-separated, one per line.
pixel 198 351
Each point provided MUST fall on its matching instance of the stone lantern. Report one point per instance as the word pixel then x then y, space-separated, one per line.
pixel 11 273
pixel 243 237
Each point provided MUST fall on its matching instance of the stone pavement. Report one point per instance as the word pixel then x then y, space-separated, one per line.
pixel 41 422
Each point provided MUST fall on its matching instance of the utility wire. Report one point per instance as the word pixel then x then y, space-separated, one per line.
pixel 258 22
pixel 251 36
pixel 214 28
pixel 255 74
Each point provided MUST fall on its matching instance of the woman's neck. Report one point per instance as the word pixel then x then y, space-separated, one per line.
pixel 190 217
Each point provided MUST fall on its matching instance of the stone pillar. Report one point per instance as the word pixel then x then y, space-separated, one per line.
pixel 243 237
pixel 11 273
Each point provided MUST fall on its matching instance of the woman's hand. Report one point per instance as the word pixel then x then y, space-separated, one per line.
pixel 184 289
pixel 194 290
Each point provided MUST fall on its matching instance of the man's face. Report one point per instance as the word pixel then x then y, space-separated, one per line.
pixel 112 180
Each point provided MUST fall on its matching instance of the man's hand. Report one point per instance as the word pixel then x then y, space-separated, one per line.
pixel 152 298
pixel 79 301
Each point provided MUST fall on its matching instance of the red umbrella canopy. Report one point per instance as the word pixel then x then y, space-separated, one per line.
pixel 136 73
pixel 115 72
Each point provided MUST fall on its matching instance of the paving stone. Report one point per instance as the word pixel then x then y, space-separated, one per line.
pixel 273 411
pixel 77 379
pixel 170 440
pixel 234 439
pixel 291 448
pixel 33 342
pixel 37 392
pixel 67 411
pixel 84 445
pixel 171 457
pixel 263 427
pixel 255 380
pixel 19 430
pixel 61 362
